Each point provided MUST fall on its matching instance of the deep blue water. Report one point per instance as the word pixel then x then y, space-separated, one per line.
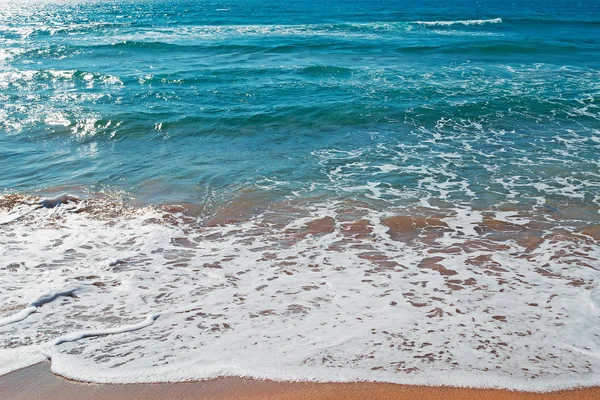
pixel 478 102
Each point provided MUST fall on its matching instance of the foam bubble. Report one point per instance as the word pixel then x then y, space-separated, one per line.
pixel 461 22
pixel 327 291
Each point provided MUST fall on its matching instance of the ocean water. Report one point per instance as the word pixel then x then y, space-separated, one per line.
pixel 357 190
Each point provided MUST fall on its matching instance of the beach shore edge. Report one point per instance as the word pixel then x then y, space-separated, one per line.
pixel 38 382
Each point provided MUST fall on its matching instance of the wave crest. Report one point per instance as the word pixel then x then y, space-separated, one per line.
pixel 462 22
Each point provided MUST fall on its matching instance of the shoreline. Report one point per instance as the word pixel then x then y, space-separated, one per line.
pixel 383 296
pixel 38 382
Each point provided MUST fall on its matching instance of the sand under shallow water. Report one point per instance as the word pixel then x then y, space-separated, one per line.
pixel 37 382
pixel 291 191
pixel 328 292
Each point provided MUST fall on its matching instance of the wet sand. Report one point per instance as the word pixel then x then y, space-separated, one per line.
pixel 37 382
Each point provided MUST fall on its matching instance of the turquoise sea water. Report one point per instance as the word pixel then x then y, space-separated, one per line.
pixel 352 190
pixel 196 101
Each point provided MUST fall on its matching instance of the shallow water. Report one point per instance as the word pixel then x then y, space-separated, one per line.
pixel 358 190
pixel 197 101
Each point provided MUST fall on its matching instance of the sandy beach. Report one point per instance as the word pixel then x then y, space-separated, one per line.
pixel 38 382
pixel 276 199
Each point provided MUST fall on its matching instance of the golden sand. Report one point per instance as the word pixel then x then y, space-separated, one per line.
pixel 37 383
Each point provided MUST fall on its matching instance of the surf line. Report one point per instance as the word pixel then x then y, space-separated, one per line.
pixel 74 336
pixel 148 321
pixel 43 203
pixel 34 305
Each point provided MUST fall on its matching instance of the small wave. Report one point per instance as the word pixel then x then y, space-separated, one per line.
pixel 365 30
pixel 326 70
pixel 507 48
pixel 181 34
pixel 75 336
pixel 134 44
pixel 34 305
pixel 545 23
pixel 461 22
pixel 416 49
pixel 46 75
pixel 367 269
pixel 41 30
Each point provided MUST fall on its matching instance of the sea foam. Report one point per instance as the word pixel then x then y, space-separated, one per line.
pixel 325 292
pixel 463 22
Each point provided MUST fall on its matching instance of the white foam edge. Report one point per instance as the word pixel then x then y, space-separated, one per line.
pixel 35 304
pixel 19 316
pixel 461 22
pixel 74 336
pixel 23 357
pixel 70 368
pixel 19 358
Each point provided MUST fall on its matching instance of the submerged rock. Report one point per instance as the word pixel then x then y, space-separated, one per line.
pixel 58 200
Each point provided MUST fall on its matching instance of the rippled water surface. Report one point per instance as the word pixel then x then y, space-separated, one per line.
pixel 380 190
pixel 194 101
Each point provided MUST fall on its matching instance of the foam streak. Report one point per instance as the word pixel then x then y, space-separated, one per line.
pixel 34 305
pixel 463 22
pixel 72 337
